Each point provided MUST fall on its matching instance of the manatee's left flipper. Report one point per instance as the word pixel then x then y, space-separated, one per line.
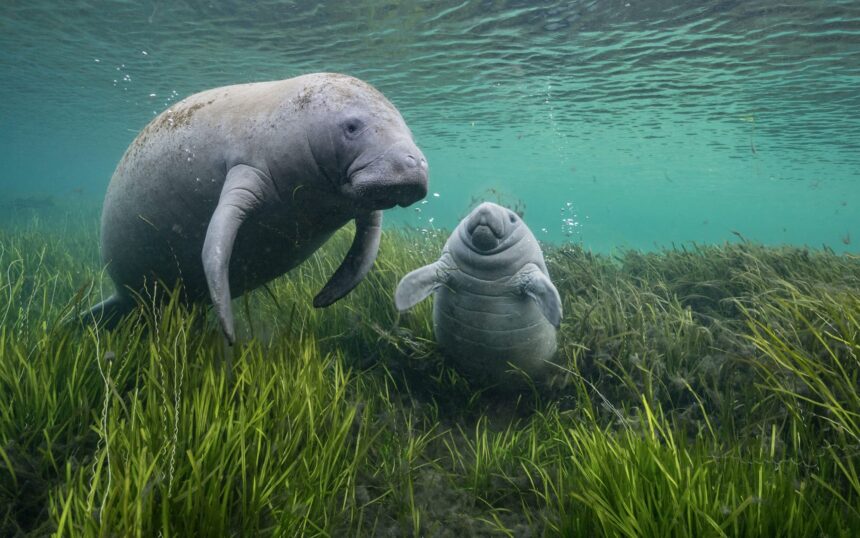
pixel 108 312
pixel 534 283
pixel 245 191
pixel 358 261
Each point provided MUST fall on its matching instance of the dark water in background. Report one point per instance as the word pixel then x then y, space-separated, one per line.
pixel 616 123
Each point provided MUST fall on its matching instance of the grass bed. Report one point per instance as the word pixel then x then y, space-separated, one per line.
pixel 702 391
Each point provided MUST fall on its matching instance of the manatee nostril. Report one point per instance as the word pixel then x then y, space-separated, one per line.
pixel 412 161
pixel 485 216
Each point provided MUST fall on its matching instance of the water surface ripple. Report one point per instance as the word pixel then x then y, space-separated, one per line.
pixel 756 79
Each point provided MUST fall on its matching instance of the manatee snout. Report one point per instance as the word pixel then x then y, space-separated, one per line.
pixel 410 166
pixel 397 177
pixel 486 226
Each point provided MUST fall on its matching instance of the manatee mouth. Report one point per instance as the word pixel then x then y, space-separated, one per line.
pixel 385 193
pixel 484 239
pixel 384 183
pixel 486 228
pixel 490 228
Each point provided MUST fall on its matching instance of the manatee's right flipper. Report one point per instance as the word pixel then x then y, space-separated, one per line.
pixel 245 191
pixel 108 312
pixel 420 283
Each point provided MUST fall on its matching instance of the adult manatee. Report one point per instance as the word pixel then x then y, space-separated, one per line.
pixel 495 306
pixel 234 186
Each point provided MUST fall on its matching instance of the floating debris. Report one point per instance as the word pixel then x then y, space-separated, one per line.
pixel 517 205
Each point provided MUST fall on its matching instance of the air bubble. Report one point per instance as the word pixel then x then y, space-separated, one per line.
pixel 570 223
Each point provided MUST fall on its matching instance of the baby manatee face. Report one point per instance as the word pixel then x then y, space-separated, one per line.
pixel 363 146
pixel 490 228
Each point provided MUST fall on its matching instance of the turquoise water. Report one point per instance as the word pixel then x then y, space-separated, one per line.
pixel 614 124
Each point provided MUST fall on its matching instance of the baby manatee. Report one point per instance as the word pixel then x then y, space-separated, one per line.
pixel 495 308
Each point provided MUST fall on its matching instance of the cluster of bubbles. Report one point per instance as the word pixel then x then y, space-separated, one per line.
pixel 428 228
pixel 170 98
pixel 561 145
pixel 124 80
pixel 571 226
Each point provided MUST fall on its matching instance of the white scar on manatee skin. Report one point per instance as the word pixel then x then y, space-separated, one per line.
pixel 495 307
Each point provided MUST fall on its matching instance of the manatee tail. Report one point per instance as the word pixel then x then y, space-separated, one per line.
pixel 108 312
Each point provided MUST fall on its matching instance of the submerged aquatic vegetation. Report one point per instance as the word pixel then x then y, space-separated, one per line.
pixel 703 391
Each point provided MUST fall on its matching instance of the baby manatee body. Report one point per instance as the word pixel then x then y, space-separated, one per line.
pixel 495 308
pixel 234 186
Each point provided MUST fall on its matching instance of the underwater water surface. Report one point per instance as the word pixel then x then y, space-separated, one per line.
pixel 611 123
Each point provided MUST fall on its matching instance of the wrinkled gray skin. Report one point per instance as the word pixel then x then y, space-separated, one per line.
pixel 495 307
pixel 235 186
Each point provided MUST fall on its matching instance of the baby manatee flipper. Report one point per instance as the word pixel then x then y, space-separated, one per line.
pixel 534 283
pixel 246 190
pixel 420 283
pixel 358 261
pixel 109 312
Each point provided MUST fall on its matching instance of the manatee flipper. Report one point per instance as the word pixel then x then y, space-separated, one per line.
pixel 534 283
pixel 246 190
pixel 358 261
pixel 109 312
pixel 420 283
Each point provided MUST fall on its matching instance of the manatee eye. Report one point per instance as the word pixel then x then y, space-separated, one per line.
pixel 512 217
pixel 353 127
